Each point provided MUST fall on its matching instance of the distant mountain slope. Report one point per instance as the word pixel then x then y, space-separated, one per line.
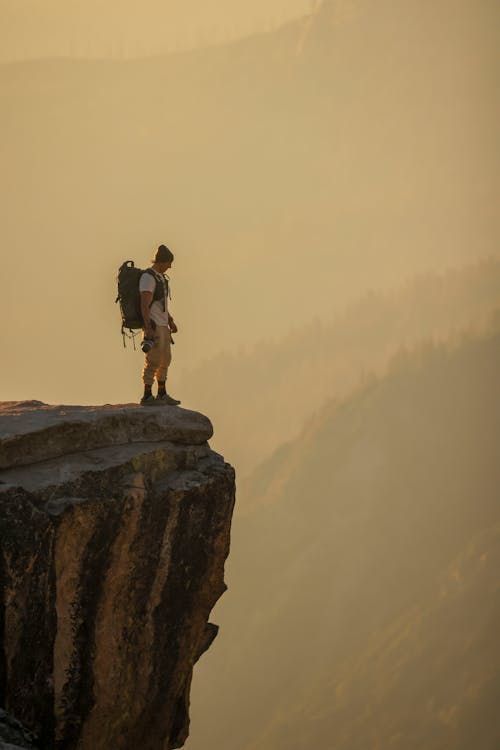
pixel 364 604
pixel 121 28
pixel 289 171
pixel 280 383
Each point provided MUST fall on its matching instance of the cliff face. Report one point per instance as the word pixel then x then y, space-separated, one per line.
pixel 114 529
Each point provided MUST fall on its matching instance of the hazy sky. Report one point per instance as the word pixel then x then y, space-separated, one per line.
pixel 290 173
pixel 104 28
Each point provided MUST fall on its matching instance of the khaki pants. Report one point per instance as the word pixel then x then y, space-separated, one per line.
pixel 157 360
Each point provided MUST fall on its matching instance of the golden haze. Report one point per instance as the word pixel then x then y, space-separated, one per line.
pixel 330 191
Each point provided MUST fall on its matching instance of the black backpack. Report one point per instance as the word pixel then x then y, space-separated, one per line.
pixel 129 295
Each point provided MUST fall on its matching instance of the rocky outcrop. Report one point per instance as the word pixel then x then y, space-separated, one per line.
pixel 114 529
pixel 13 736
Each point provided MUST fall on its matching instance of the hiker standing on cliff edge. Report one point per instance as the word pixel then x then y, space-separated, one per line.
pixel 158 326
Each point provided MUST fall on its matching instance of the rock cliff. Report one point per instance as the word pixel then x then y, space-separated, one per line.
pixel 114 529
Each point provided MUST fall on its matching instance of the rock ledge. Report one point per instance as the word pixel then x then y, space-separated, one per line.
pixel 32 431
pixel 114 530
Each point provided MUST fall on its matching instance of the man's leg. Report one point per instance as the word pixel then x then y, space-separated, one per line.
pixel 163 365
pixel 151 362
pixel 165 357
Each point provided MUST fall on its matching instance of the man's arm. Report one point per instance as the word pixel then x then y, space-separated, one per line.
pixel 146 298
pixel 171 324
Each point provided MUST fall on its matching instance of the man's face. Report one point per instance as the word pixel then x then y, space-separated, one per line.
pixel 162 267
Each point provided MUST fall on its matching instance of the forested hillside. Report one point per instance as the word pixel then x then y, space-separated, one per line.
pixel 364 607
pixel 281 382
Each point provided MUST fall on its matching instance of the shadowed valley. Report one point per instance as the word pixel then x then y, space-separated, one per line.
pixel 365 594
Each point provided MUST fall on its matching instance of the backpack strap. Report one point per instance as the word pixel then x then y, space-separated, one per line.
pixel 155 274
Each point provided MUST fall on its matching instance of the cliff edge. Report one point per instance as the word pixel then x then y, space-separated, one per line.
pixel 114 529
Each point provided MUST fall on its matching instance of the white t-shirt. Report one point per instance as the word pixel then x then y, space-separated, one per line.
pixel 148 284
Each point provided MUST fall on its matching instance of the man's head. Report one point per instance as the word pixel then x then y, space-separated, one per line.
pixel 163 259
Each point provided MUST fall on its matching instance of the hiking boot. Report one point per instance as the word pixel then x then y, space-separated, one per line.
pixel 148 400
pixel 167 400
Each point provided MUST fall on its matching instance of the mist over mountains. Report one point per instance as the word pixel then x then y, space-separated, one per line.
pixel 330 191
pixel 112 29
pixel 364 595
pixel 288 171
pixel 281 383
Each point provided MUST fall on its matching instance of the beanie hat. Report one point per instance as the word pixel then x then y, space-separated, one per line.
pixel 163 255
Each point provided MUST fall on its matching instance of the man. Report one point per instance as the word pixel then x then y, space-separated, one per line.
pixel 158 324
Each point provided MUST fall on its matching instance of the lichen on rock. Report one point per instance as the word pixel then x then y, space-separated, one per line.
pixel 112 557
pixel 13 735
